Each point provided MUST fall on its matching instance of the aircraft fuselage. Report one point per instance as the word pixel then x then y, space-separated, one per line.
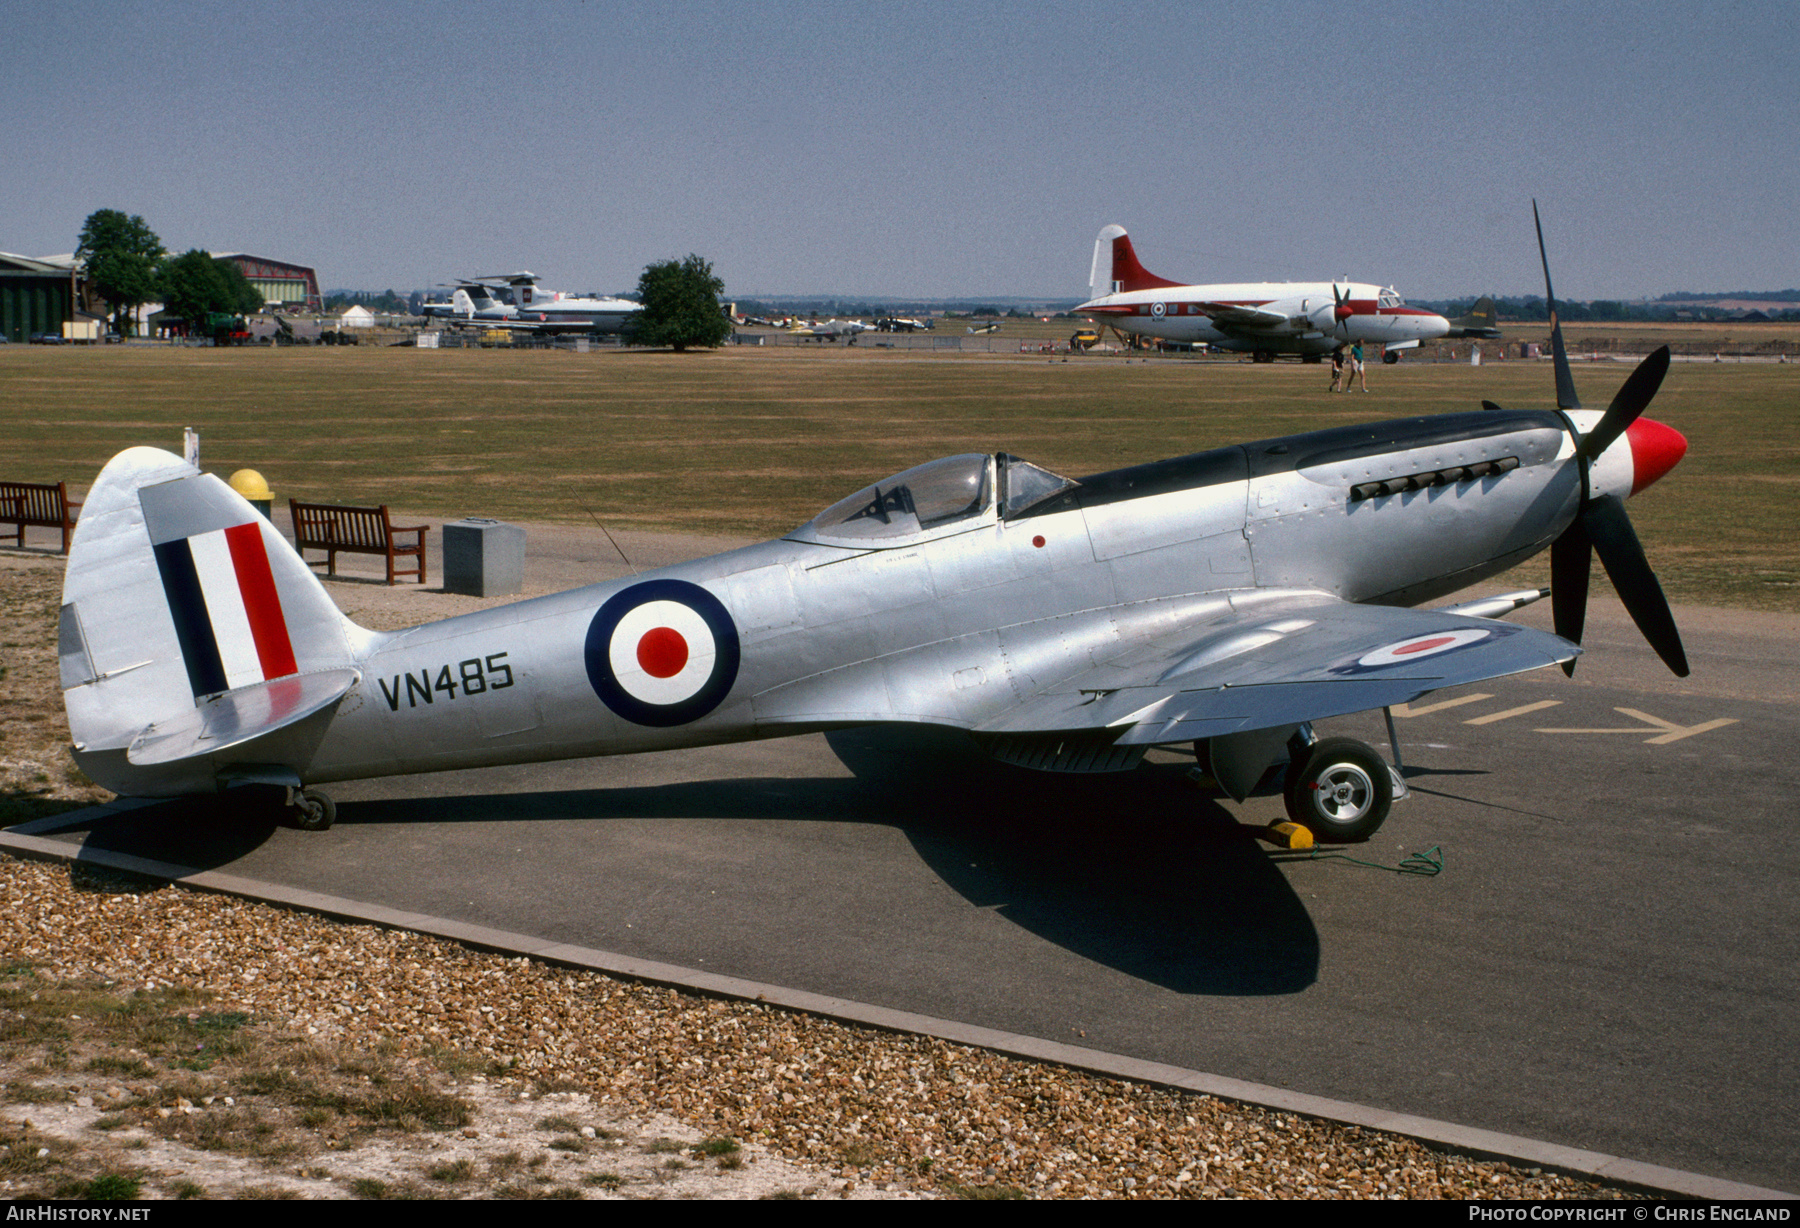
pixel 1310 317
pixel 953 624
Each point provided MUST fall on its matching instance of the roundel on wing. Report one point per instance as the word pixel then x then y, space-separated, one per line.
pixel 1418 647
pixel 662 653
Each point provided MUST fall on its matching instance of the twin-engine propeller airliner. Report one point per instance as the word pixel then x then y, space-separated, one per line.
pixel 1261 318
pixel 1224 600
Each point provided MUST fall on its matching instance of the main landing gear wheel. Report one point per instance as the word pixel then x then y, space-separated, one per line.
pixel 312 810
pixel 1340 791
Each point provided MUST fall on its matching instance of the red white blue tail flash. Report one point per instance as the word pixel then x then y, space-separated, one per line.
pixel 227 614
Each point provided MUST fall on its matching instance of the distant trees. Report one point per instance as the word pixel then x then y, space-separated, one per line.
pixel 681 306
pixel 388 302
pixel 122 255
pixel 194 285
pixel 127 266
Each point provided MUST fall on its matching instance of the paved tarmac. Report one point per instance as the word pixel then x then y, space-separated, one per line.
pixel 1606 961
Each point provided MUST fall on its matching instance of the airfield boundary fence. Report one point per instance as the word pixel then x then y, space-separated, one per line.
pixel 959 342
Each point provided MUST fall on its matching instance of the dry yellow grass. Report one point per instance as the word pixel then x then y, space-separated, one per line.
pixel 757 440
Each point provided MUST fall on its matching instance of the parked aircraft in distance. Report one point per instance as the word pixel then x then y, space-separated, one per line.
pixel 513 301
pixel 1261 318
pixel 1482 321
pixel 831 330
pixel 1224 600
pixel 468 300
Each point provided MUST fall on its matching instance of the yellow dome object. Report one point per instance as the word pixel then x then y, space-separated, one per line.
pixel 250 484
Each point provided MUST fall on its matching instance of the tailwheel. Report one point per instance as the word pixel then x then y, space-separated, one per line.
pixel 312 810
pixel 1340 790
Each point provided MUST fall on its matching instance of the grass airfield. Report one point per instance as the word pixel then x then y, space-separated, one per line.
pixel 754 441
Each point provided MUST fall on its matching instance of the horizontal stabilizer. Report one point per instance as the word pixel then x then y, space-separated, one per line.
pixel 235 717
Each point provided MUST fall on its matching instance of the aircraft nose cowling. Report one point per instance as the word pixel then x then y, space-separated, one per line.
pixel 1655 449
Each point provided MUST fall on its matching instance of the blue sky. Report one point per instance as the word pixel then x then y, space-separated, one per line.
pixel 928 150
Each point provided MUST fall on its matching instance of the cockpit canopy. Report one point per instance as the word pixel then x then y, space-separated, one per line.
pixel 1389 298
pixel 958 491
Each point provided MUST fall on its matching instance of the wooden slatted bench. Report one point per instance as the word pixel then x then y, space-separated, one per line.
pixel 337 529
pixel 40 506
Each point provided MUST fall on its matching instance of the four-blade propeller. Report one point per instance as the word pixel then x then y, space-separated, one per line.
pixel 1601 525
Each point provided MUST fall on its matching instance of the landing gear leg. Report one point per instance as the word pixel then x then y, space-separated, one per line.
pixel 311 810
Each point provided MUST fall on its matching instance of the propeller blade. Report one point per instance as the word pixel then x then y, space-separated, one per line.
pixel 1570 558
pixel 1565 379
pixel 1634 395
pixel 1617 544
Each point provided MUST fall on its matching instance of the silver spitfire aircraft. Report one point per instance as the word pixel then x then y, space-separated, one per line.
pixel 1223 600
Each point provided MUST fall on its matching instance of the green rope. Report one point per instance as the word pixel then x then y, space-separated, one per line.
pixel 1427 864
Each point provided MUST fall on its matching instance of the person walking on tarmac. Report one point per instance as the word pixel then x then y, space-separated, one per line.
pixel 1337 369
pixel 1356 368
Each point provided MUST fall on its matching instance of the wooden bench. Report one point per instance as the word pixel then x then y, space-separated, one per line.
pixel 336 530
pixel 40 506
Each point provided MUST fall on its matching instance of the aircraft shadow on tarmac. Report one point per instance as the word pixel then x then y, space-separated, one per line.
pixel 199 833
pixel 1138 871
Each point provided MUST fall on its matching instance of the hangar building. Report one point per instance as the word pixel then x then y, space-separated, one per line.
pixel 37 295
pixel 281 284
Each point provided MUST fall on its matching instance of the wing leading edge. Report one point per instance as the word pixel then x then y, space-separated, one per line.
pixel 1279 660
pixel 1242 317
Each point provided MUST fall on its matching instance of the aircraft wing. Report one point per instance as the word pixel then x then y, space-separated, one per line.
pixel 507 322
pixel 1233 316
pixel 1280 662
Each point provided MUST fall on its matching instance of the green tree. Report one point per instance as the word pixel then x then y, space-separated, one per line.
pixel 246 299
pixel 681 306
pixel 122 255
pixel 194 285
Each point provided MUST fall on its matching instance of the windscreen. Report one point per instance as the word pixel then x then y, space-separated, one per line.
pixel 1026 485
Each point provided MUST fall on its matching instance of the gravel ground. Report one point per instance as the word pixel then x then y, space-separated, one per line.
pixel 845 1110
pixel 821 1109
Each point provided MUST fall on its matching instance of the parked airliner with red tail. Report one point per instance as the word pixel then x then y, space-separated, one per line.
pixel 1261 318
pixel 1223 600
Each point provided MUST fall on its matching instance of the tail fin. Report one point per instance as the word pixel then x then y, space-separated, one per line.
pixel 189 625
pixel 1482 321
pixel 1116 268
